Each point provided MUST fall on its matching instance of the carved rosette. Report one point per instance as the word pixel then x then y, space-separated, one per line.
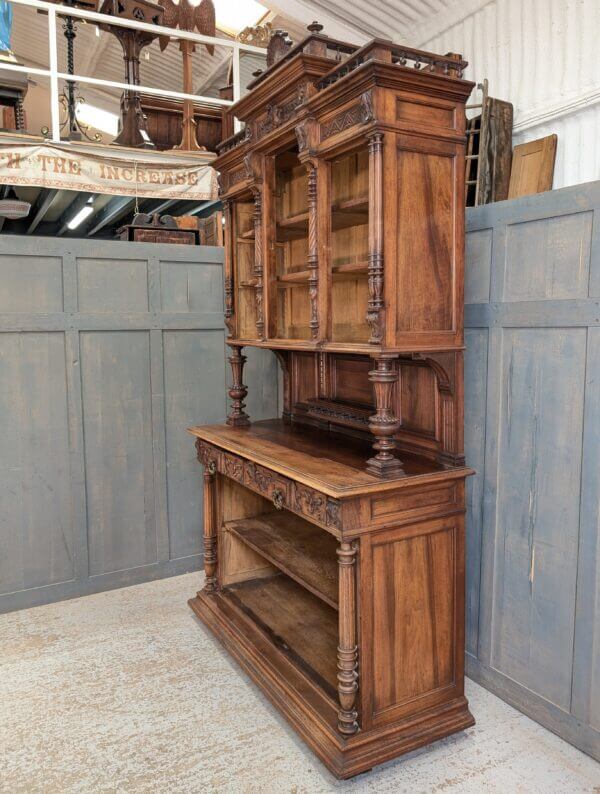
pixel 313 255
pixel 375 307
pixel 347 653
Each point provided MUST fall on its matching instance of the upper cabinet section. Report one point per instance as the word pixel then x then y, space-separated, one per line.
pixel 344 200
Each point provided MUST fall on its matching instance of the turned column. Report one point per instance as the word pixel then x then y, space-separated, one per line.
pixel 258 264
pixel 210 529
pixel 229 308
pixel 313 255
pixel 237 391
pixel 375 307
pixel 210 519
pixel 384 423
pixel 347 653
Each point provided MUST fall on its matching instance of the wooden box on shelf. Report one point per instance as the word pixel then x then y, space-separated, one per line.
pixel 334 535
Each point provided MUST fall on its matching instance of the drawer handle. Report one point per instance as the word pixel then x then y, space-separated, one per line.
pixel 211 467
pixel 278 499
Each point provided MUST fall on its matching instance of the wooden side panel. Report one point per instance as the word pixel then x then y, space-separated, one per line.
pixel 532 361
pixel 536 553
pixel 118 452
pixel 425 251
pixel 36 522
pixel 476 360
pixel 185 287
pixel 126 281
pixel 414 578
pixel 31 283
pixel 549 258
pixel 418 398
pixel 188 392
pixel 478 263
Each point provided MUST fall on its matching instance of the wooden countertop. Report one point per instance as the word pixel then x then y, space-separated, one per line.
pixel 329 462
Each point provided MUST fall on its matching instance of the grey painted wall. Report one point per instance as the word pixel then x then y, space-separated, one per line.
pixel 108 351
pixel 533 435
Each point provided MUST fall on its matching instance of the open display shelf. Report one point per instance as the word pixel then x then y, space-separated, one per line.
pixel 297 623
pixel 300 549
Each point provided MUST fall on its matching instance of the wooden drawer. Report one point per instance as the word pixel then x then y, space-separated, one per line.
pixel 232 467
pixel 393 507
pixel 267 483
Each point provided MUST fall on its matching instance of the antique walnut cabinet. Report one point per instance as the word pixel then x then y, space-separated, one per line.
pixel 334 535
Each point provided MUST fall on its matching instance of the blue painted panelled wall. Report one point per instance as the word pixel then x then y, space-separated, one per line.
pixel 108 352
pixel 532 412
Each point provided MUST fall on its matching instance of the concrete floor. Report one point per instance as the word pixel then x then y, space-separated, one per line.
pixel 126 692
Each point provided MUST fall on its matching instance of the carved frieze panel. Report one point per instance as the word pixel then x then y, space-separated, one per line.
pixel 360 113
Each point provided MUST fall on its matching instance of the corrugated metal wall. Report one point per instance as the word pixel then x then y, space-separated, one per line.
pixel 541 55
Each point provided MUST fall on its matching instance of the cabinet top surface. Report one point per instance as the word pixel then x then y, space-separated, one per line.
pixel 331 463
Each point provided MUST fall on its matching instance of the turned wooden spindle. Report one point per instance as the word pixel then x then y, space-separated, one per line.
pixel 375 307
pixel 210 530
pixel 347 652
pixel 237 391
pixel 258 264
pixel 206 458
pixel 384 423
pixel 312 260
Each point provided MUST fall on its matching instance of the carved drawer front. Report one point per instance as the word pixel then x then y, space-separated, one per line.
pixel 268 484
pixel 232 467
pixel 315 506
pixel 207 455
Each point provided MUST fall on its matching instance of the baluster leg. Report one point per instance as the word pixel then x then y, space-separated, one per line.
pixel 347 653
pixel 237 391
pixel 384 423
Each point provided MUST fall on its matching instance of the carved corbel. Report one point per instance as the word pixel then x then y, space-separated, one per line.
pixel 306 135
pixel 366 107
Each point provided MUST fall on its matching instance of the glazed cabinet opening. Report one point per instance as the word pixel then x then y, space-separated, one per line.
pixel 292 305
pixel 350 247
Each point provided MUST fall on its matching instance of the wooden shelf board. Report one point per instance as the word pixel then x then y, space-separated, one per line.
pixel 300 219
pixel 357 204
pixel 295 275
pixel 296 622
pixel 350 269
pixel 300 549
pixel 248 235
pixel 293 228
pixel 247 284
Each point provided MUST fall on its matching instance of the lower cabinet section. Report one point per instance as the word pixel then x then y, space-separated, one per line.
pixel 358 640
